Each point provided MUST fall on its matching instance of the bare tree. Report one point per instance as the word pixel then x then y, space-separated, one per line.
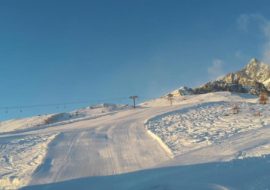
pixel 170 98
pixel 134 100
pixel 263 98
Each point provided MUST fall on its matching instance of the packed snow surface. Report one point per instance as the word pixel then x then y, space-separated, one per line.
pixel 209 141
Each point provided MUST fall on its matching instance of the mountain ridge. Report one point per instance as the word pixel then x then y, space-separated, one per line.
pixel 254 78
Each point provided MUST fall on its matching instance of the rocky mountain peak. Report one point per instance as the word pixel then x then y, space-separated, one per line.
pixel 255 64
pixel 253 78
pixel 257 70
pixel 254 61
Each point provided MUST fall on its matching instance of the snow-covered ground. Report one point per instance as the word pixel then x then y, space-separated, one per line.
pixel 49 120
pixel 20 157
pixel 204 124
pixel 198 143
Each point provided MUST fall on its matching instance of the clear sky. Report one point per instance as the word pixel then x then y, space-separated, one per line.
pixel 57 51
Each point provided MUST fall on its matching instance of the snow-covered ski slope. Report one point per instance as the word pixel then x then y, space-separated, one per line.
pixel 198 143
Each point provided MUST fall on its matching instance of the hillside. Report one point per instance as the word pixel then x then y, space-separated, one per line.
pixel 159 144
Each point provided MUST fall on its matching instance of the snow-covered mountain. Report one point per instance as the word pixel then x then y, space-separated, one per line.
pixel 258 71
pixel 200 139
pixel 253 78
pixel 182 91
pixel 254 74
pixel 210 141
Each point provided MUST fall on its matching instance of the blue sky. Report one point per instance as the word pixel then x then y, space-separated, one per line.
pixel 67 51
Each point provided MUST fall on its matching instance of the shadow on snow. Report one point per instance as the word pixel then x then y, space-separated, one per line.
pixel 246 174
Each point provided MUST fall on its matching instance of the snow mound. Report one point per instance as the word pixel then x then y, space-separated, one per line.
pixel 20 157
pixel 205 124
pixel 90 112
pixel 99 109
pixel 22 124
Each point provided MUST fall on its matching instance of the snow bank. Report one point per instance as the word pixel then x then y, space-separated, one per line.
pixel 162 144
pixel 205 124
pixel 20 157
